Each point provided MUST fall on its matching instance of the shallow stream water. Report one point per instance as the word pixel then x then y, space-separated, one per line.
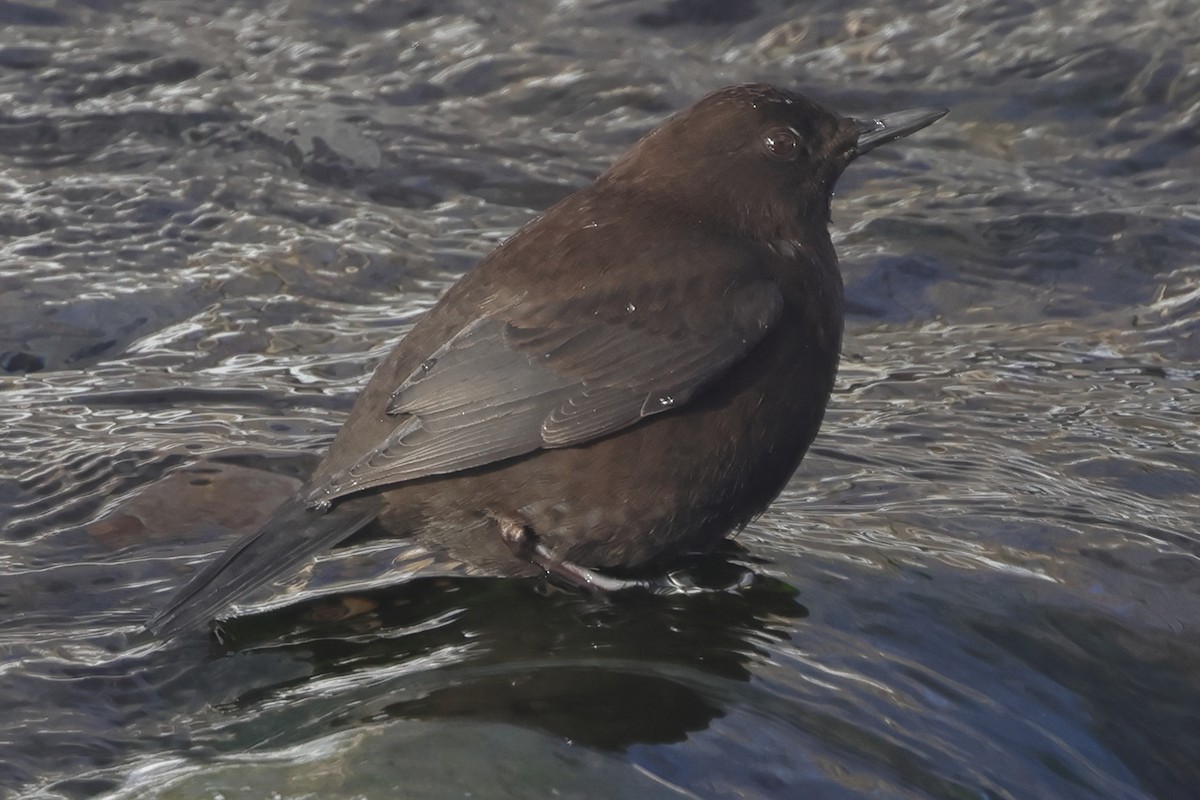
pixel 984 581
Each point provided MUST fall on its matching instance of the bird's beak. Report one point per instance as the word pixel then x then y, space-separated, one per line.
pixel 889 127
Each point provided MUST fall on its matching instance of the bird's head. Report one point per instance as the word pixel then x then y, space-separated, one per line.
pixel 757 159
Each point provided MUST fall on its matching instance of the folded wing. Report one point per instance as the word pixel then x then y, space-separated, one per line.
pixel 521 379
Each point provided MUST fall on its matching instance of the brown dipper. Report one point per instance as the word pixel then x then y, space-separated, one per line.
pixel 632 376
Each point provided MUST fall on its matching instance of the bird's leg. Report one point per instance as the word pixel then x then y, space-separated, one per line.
pixel 525 545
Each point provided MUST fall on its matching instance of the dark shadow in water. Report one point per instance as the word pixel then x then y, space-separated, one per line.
pixel 636 669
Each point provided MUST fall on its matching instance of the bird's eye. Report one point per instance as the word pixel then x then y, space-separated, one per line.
pixel 782 144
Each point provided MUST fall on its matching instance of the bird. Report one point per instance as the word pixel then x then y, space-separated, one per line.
pixel 632 376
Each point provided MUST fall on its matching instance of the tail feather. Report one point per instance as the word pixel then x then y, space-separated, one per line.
pixel 292 536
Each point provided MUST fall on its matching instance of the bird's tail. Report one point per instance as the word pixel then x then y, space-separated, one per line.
pixel 292 536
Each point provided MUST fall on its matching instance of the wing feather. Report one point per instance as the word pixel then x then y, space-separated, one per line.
pixel 503 386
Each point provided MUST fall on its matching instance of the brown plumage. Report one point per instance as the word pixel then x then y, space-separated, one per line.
pixel 633 375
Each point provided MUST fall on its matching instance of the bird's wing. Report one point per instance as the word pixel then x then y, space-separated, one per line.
pixel 526 377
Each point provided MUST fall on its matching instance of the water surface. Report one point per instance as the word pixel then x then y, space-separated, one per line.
pixel 984 581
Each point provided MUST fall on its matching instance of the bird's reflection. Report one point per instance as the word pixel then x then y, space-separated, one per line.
pixel 635 669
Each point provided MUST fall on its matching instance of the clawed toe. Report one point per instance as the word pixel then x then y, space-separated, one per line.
pixel 525 545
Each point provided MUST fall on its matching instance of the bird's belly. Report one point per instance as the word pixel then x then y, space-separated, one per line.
pixel 673 484
pixel 676 482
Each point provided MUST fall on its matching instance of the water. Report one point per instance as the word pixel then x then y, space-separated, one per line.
pixel 984 582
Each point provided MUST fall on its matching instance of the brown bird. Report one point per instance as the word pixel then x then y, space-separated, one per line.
pixel 633 375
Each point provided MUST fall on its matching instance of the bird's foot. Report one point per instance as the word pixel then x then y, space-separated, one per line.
pixel 524 544
pixel 683 582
